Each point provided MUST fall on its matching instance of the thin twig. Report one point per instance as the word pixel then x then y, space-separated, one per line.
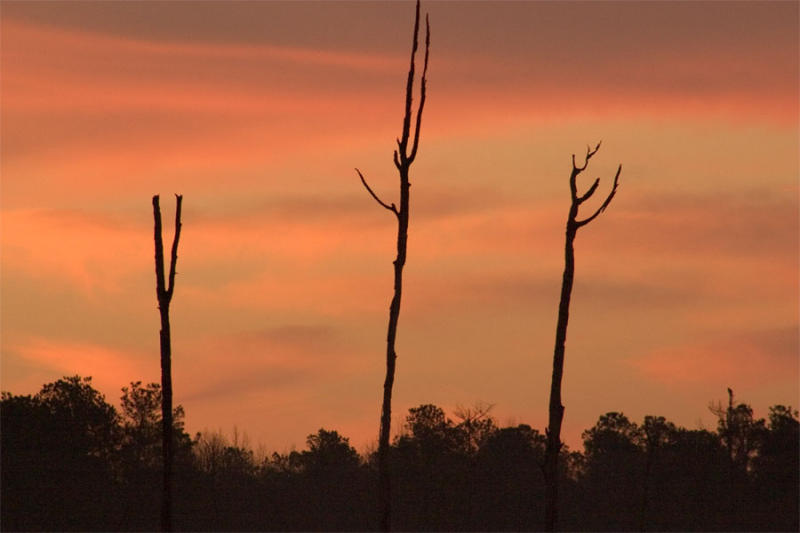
pixel 422 86
pixel 159 249
pixel 607 201
pixel 174 256
pixel 390 207
pixel 590 192
pixel 403 143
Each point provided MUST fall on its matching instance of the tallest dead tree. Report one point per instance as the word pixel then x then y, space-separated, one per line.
pixel 404 155
pixel 556 411
pixel 164 294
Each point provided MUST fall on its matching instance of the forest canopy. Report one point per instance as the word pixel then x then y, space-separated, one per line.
pixel 73 461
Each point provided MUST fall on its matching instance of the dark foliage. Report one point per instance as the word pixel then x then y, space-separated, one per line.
pixel 71 461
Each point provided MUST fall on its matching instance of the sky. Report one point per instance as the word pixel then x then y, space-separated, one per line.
pixel 258 112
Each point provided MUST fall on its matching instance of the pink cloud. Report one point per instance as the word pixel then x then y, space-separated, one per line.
pixel 65 71
pixel 331 256
pixel 747 358
pixel 262 141
pixel 85 47
pixel 110 368
pixel 94 252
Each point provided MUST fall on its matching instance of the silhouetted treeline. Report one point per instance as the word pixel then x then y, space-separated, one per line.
pixel 71 461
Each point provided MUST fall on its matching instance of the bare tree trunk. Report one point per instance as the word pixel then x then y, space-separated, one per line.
pixel 645 504
pixel 164 295
pixel 556 408
pixel 402 160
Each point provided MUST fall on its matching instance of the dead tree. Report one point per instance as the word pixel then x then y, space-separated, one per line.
pixel 556 413
pixel 164 295
pixel 404 155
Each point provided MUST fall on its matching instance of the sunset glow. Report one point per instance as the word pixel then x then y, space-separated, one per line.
pixel 258 112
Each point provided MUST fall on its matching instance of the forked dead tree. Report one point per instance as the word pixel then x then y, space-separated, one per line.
pixel 404 155
pixel 164 295
pixel 556 408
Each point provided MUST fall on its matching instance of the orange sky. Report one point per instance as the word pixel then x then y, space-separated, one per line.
pixel 257 113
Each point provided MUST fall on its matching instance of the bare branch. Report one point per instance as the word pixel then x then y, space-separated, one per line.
pixel 573 187
pixel 607 201
pixel 590 192
pixel 589 154
pixel 423 84
pixel 399 155
pixel 577 170
pixel 159 251
pixel 477 412
pixel 410 88
pixel 391 207
pixel 174 256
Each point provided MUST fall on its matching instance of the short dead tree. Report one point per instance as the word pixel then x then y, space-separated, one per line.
pixel 164 296
pixel 556 410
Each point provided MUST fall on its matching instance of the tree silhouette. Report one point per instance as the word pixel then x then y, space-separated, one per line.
pixel 556 410
pixel 740 432
pixel 58 458
pixel 141 424
pixel 656 432
pixel 614 458
pixel 777 468
pixel 404 155
pixel 328 451
pixel 509 479
pixel 780 446
pixel 164 295
pixel 72 462
pixel 141 410
pixel 475 426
